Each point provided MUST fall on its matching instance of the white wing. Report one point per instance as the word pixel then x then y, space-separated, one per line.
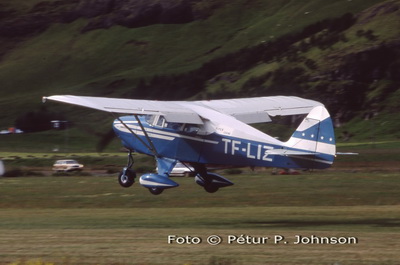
pixel 172 111
pixel 247 110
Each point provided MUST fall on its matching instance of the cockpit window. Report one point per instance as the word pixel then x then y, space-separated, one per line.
pixel 160 121
pixel 156 120
pixel 150 119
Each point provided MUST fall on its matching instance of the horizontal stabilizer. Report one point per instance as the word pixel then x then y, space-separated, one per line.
pixel 285 152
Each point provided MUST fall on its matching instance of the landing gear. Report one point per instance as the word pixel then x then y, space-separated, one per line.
pixel 207 183
pixel 156 183
pixel 211 182
pixel 127 176
pixel 156 191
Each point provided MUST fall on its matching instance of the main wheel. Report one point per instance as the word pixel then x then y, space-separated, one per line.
pixel 211 188
pixel 126 178
pixel 156 191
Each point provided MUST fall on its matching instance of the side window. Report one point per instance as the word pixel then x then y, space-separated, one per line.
pixel 191 128
pixel 161 121
pixel 174 125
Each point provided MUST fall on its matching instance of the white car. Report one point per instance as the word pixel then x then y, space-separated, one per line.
pixel 67 165
pixel 180 170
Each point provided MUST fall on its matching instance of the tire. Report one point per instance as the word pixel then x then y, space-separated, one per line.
pixel 126 178
pixel 156 191
pixel 211 188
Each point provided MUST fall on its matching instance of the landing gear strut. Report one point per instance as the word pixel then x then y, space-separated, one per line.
pixel 127 176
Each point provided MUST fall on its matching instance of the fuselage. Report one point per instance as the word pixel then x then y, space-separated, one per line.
pixel 209 143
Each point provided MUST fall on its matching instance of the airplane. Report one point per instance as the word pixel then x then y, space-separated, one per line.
pixel 213 132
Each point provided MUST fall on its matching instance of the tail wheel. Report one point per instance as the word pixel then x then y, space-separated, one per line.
pixel 126 178
pixel 156 191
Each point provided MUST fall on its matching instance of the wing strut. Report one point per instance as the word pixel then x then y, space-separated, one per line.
pixel 152 149
pixel 149 146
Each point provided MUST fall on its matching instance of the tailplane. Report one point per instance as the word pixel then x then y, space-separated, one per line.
pixel 315 136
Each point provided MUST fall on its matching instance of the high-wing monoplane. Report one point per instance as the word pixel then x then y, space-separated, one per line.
pixel 214 132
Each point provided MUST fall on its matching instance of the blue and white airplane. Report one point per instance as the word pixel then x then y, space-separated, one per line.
pixel 214 132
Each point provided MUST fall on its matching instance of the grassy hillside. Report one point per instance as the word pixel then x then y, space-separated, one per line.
pixel 62 59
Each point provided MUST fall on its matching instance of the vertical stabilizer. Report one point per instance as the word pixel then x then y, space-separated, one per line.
pixel 315 134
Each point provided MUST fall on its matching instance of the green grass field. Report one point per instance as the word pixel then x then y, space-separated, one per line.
pixel 92 220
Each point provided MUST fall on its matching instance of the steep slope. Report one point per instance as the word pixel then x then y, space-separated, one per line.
pixel 201 49
pixel 352 64
pixel 59 56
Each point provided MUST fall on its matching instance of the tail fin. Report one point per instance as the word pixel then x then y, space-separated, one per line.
pixel 316 135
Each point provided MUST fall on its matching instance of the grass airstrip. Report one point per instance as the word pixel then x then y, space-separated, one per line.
pixel 89 219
